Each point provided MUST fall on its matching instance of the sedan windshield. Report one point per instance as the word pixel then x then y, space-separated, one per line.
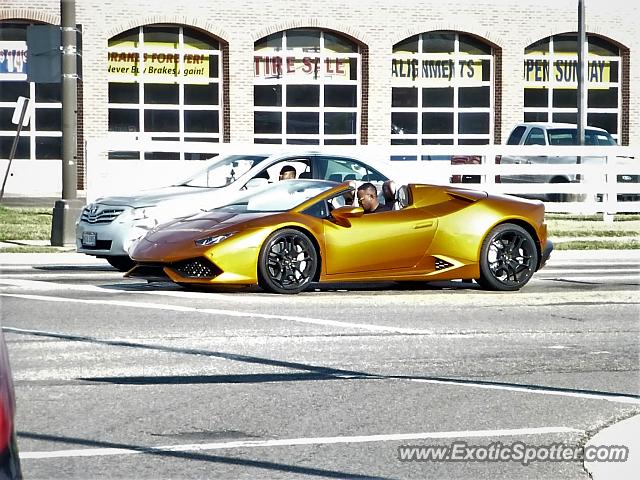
pixel 279 197
pixel 223 172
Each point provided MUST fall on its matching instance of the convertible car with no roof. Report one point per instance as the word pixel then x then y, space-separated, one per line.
pixel 297 232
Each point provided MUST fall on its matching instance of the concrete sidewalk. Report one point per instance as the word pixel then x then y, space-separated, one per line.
pixel 47 201
pixel 622 434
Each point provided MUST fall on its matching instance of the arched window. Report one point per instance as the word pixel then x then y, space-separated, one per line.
pixel 42 138
pixel 551 81
pixel 307 88
pixel 442 90
pixel 165 84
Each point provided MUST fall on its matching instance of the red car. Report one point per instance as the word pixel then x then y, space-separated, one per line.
pixel 466 160
pixel 9 459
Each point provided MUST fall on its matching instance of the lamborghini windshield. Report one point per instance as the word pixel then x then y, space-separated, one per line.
pixel 223 172
pixel 279 197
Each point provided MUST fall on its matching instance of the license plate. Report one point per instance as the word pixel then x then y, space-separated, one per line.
pixel 89 239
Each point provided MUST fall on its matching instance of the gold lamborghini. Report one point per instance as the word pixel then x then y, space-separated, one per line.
pixel 293 233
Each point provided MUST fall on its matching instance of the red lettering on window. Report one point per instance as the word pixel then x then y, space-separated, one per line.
pixel 327 62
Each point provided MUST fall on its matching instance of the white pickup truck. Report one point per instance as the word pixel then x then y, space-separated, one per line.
pixel 551 134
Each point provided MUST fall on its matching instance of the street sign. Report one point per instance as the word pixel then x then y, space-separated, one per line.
pixel 22 105
pixel 43 48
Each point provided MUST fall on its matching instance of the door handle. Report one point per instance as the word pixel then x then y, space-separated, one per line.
pixel 423 225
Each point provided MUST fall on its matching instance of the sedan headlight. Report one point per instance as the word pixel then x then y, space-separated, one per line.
pixel 142 213
pixel 212 240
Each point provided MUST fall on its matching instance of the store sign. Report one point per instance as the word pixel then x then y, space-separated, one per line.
pixel 566 71
pixel 302 68
pixel 427 72
pixel 158 67
pixel 13 61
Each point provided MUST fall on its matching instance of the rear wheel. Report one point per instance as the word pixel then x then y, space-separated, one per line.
pixel 560 197
pixel 121 263
pixel 287 263
pixel 508 258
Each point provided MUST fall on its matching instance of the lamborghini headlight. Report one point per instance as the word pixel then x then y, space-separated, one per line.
pixel 212 240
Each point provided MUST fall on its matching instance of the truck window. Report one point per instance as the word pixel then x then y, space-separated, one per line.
pixel 535 137
pixel 563 136
pixel 593 137
pixel 516 135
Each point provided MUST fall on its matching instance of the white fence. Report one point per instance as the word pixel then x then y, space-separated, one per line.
pixel 32 178
pixel 599 192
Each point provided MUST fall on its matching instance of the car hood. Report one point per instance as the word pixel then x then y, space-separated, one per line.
pixel 195 227
pixel 149 198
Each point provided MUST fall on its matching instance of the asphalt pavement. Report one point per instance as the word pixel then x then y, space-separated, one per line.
pixel 624 432
pixel 620 433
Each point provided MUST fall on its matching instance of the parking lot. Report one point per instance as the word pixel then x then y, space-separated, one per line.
pixel 120 378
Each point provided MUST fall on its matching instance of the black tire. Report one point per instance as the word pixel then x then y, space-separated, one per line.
pixel 471 179
pixel 121 263
pixel 508 258
pixel 560 197
pixel 288 262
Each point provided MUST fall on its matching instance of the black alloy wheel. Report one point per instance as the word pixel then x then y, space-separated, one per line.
pixel 288 262
pixel 508 258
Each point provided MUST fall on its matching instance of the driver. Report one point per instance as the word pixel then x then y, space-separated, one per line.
pixel 287 173
pixel 368 199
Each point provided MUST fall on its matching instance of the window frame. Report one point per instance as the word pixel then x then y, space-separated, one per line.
pixel 143 109
pixel 285 81
pixel 398 137
pixel 552 84
pixel 29 134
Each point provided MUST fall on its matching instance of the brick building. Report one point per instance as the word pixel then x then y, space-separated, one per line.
pixel 325 73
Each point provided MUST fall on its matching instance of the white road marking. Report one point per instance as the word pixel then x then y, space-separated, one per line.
pixel 228 313
pixel 591 270
pixel 44 285
pixel 525 389
pixel 66 276
pixel 588 278
pixel 101 452
pixel 596 259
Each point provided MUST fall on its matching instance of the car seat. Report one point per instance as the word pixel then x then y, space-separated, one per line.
pixel 402 198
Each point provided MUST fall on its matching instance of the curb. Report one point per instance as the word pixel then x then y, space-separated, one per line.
pixel 597 254
pixel 621 434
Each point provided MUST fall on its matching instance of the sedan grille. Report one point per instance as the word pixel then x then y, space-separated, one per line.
pixel 196 268
pixel 94 216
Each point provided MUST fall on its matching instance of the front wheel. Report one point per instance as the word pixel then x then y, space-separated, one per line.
pixel 288 262
pixel 121 263
pixel 508 258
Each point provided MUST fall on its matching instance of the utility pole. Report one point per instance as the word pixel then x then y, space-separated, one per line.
pixel 582 60
pixel 66 210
